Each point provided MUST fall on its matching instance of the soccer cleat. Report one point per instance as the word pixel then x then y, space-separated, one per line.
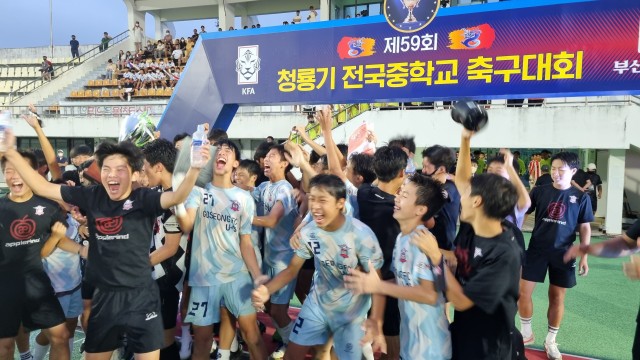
pixel 529 340
pixel 279 353
pixel 552 351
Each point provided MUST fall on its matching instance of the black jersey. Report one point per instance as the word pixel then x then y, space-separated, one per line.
pixel 558 214
pixel 25 227
pixel 376 211
pixel 120 234
pixel 489 272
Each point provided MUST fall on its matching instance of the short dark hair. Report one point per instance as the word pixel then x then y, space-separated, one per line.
pixel 500 160
pixel 499 196
pixel 516 153
pixel 429 193
pixel 80 149
pixel 282 151
pixel 570 158
pixel 252 167
pixel 363 165
pixel 161 151
pixel 27 155
pixel 344 149
pixel 407 142
pixel 331 184
pixel 40 158
pixel 388 161
pixel 179 137
pixel 313 157
pixel 216 135
pixel 440 156
pixel 232 145
pixel 127 149
pixel 261 151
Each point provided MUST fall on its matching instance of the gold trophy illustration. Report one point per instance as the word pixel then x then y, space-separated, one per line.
pixel 410 5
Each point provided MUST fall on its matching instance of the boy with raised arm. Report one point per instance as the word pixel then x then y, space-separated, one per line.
pixel 424 328
pixel 484 289
pixel 337 243
pixel 223 260
pixel 120 222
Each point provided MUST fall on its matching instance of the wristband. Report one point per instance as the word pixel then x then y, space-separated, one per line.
pixel 438 274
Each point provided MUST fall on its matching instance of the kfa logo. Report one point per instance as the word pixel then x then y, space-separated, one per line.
pixel 409 16
pixel 248 65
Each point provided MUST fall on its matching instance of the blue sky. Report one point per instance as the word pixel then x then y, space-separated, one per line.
pixel 25 23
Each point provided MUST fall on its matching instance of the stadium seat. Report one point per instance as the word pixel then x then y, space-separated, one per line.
pixel 92 83
pixel 167 91
pixel 105 93
pixel 115 93
pixel 151 92
pixel 88 93
pixel 113 82
pixel 96 93
pixel 99 82
pixel 142 92
pixel 74 93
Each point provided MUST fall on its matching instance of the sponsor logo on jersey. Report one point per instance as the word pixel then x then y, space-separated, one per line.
pixel 39 210
pixel 344 251
pixel 477 252
pixel 22 229
pixel 109 225
pixel 403 255
pixel 235 205
pixel 151 315
pixel 572 199
pixel 128 205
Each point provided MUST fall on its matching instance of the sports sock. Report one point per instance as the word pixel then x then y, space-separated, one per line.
pixel 39 351
pixel 26 355
pixel 525 327
pixel 224 354
pixel 234 344
pixel 551 335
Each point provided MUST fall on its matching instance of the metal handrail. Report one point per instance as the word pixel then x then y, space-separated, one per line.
pixel 83 108
pixel 31 86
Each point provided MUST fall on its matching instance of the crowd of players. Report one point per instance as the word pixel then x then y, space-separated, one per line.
pixel 372 248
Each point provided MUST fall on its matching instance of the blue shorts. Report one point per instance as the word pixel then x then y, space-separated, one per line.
pixel 71 304
pixel 205 301
pixel 284 295
pixel 312 327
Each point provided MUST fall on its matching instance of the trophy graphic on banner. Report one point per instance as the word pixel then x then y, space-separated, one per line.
pixel 410 5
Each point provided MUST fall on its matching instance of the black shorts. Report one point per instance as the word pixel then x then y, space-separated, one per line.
pixel 309 264
pixel 391 325
pixel 31 301
pixel 537 263
pixel 135 312
pixel 87 290
pixel 169 300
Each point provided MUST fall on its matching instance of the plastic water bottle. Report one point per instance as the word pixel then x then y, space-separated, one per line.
pixel 199 139
pixel 5 123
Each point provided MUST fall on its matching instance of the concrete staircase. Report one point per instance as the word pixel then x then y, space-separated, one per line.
pixel 74 79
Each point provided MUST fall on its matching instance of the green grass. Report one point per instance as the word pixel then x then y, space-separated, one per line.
pixel 600 312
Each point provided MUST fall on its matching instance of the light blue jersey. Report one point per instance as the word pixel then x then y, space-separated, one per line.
pixel 62 267
pixel 424 329
pixel 334 253
pixel 222 215
pixel 277 251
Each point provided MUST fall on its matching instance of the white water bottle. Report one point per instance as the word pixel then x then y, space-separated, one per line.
pixel 199 139
pixel 5 123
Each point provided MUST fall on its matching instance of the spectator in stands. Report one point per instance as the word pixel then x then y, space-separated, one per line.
pixel 258 26
pixel 297 18
pixel 149 49
pixel 168 48
pixel 177 140
pixel 75 46
pixel 285 23
pixel 183 44
pixel 79 154
pixel 270 139
pixel 46 69
pixel 231 28
pixel 111 70
pixel 159 79
pixel 176 55
pixel 312 14
pixel 545 178
pixel 159 52
pixel 139 56
pixel 195 35
pixel 245 27
pixel 219 29
pixel 139 79
pixel 127 91
pixel 202 30
pixel 253 26
pixel 138 36
pixel 61 159
pixel 167 37
pixel 174 77
pixel 104 42
pixel 444 3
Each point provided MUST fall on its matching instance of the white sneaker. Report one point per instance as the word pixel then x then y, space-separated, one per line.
pixel 279 353
pixel 185 348
pixel 552 351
